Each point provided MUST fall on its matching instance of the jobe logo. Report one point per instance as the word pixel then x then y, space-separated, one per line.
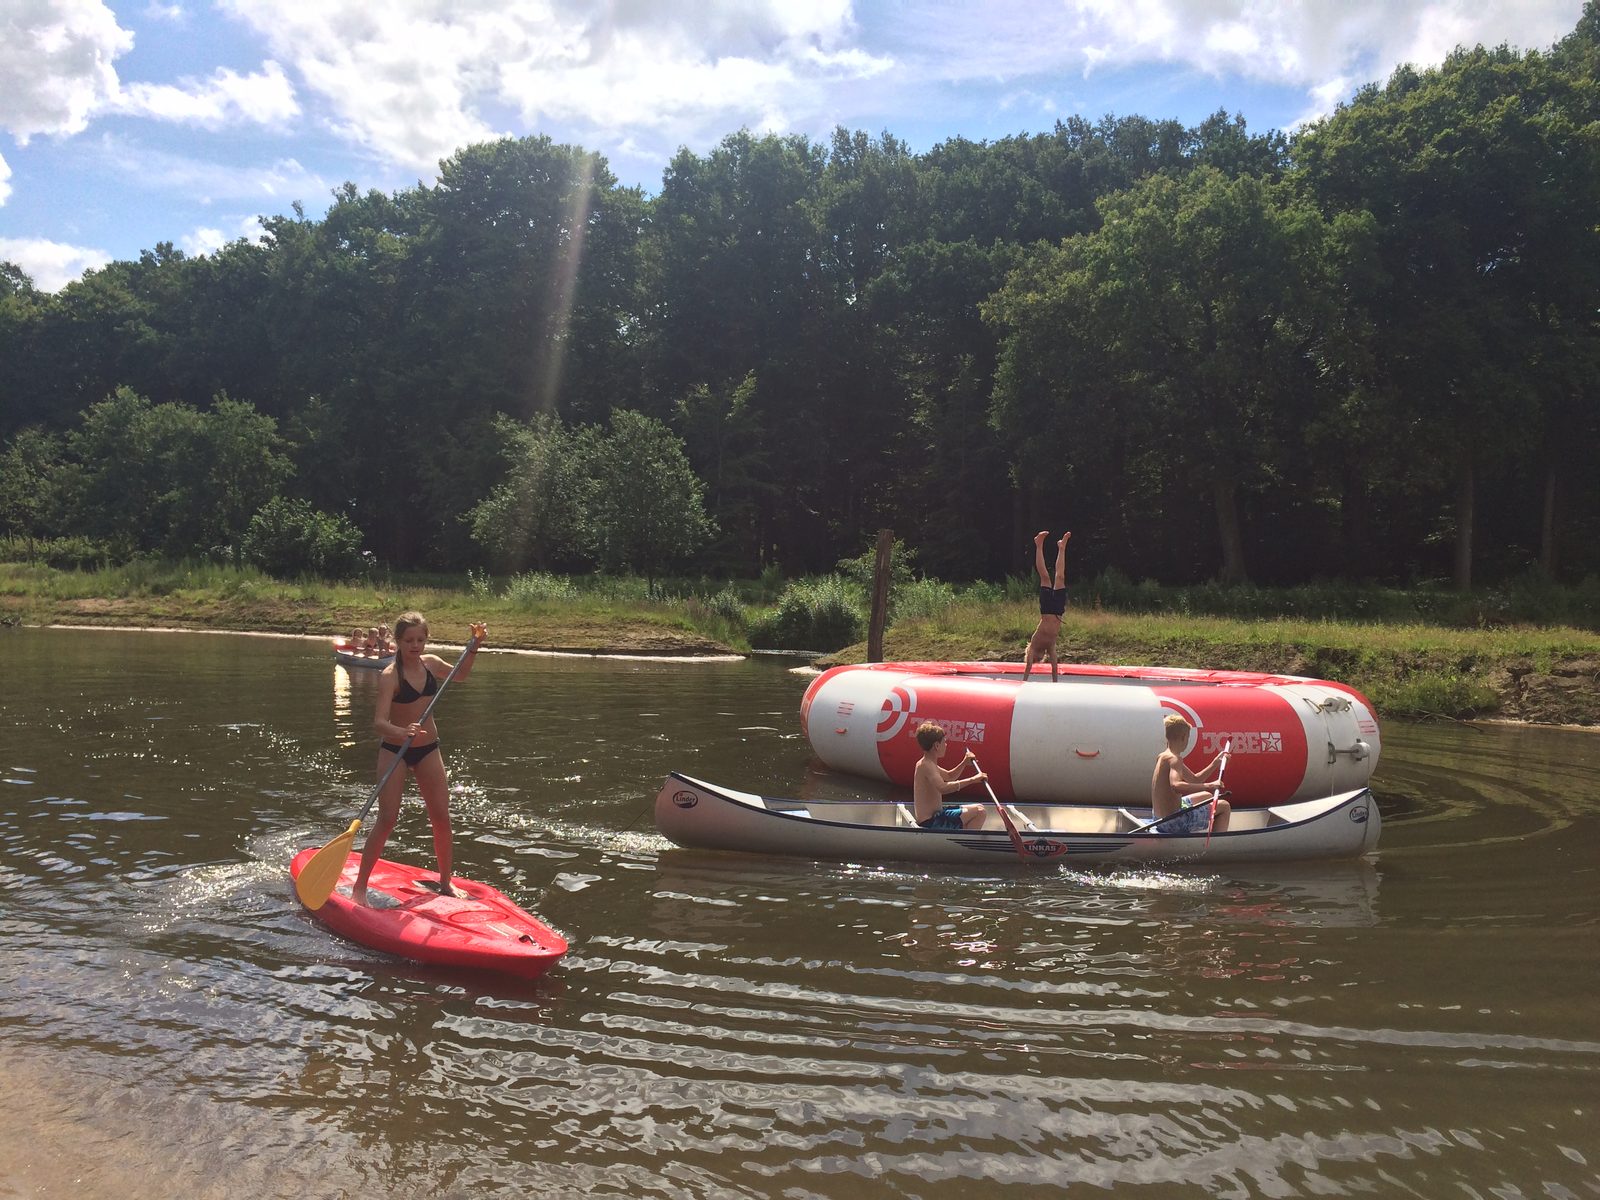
pixel 962 731
pixel 901 705
pixel 1245 741
pixel 1266 741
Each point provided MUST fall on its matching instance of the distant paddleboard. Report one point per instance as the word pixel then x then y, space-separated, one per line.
pixel 478 929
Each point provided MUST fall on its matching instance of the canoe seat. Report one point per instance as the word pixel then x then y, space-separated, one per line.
pixel 904 815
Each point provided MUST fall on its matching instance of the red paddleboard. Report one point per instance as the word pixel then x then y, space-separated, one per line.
pixel 479 929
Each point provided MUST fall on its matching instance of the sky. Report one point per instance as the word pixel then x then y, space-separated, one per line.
pixel 123 125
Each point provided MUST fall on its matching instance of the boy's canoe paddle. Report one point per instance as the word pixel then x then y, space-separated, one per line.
pixel 1005 817
pixel 320 875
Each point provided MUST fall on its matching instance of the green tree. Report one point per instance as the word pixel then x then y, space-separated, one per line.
pixel 1482 178
pixel 30 484
pixel 1192 316
pixel 726 446
pixel 289 538
pixel 643 505
pixel 168 477
pixel 234 465
pixel 532 518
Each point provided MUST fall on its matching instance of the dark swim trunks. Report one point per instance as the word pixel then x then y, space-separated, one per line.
pixel 1189 819
pixel 1052 601
pixel 948 817
pixel 413 754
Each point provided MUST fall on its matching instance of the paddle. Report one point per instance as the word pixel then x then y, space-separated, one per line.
pixel 1211 817
pixel 1011 828
pixel 318 877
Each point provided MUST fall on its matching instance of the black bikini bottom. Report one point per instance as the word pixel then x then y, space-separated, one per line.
pixel 413 754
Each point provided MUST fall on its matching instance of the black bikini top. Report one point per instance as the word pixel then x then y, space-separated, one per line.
pixel 404 693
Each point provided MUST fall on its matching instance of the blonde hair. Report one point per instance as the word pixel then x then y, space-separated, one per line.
pixel 929 735
pixel 1173 724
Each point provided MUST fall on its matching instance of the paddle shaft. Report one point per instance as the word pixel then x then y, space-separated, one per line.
pixel 399 755
pixel 1211 817
pixel 1005 817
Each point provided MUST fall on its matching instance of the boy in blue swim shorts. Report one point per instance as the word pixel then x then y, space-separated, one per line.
pixel 1174 788
pixel 932 783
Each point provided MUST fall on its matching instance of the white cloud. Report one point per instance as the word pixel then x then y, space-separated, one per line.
pixel 5 177
pixel 1317 46
pixel 206 239
pixel 428 76
pixel 56 64
pixel 203 240
pixel 266 98
pixel 1307 44
pixel 51 265
pixel 210 182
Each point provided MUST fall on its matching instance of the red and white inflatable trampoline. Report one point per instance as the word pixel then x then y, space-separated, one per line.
pixel 1093 736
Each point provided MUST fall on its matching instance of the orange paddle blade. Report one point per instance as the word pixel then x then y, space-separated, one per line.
pixel 320 875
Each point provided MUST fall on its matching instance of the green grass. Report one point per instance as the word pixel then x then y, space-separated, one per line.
pixel 1408 665
pixel 530 613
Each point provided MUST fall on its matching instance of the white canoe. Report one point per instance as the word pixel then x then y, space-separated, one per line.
pixel 702 816
pixel 347 657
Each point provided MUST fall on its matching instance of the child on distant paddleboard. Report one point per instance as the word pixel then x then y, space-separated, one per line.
pixel 405 688
pixel 1052 604
pixel 1172 787
pixel 932 783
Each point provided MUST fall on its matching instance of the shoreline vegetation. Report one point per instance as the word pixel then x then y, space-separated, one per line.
pixel 1547 674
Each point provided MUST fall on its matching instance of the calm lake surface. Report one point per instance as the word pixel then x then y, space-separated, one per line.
pixel 171 1022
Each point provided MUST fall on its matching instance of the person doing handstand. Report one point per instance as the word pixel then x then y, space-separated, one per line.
pixel 1052 604
pixel 1175 788
pixel 932 783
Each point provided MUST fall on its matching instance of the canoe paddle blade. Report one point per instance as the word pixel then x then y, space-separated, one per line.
pixel 320 875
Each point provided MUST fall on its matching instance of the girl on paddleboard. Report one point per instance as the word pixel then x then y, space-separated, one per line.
pixel 404 689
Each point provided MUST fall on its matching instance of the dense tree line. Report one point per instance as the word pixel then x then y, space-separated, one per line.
pixel 1368 350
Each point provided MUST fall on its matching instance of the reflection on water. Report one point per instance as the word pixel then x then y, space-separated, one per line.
pixel 726 1025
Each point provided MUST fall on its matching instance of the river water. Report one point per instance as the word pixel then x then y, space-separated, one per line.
pixel 1420 1024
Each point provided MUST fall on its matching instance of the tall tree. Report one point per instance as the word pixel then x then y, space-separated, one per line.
pixel 1483 188
pixel 642 506
pixel 1192 312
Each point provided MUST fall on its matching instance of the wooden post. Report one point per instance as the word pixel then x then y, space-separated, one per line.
pixel 880 595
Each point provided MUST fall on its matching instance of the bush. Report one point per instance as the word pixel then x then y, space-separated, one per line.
pixel 860 570
pixel 921 598
pixel 533 588
pixel 1436 695
pixel 63 553
pixel 727 605
pixel 812 614
pixel 287 538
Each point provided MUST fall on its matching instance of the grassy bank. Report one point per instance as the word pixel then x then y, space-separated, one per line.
pixel 1409 668
pixel 212 597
